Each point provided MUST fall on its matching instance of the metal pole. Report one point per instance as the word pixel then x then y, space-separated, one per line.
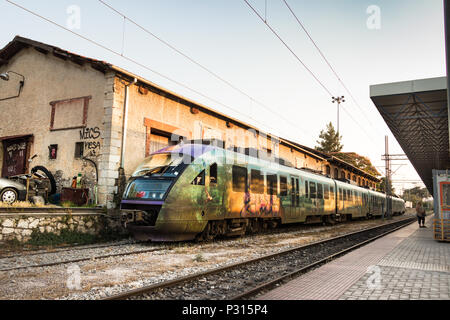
pixel 338 118
pixel 447 49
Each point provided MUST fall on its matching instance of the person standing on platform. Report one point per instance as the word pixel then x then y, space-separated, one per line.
pixel 420 211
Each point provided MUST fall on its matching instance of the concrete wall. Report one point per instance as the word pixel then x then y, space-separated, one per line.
pixel 47 79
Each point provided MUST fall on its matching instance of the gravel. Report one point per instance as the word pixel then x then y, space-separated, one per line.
pixel 109 276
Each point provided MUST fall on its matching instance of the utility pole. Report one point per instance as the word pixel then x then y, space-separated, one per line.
pixel 388 183
pixel 338 100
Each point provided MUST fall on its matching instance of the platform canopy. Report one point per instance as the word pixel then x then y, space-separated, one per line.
pixel 417 114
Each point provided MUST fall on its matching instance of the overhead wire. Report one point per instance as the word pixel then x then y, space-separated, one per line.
pixel 328 62
pixel 138 64
pixel 192 60
pixel 306 67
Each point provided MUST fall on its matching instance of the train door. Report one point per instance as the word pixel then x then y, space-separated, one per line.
pixel 313 197
pixel 284 196
pixel 256 192
pixel 295 198
pixel 273 202
pixel 214 193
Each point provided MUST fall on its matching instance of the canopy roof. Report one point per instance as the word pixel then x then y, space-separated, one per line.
pixel 417 114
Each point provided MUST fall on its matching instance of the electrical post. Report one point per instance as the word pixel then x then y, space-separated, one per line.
pixel 388 182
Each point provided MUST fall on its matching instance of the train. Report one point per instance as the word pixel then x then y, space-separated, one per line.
pixel 199 191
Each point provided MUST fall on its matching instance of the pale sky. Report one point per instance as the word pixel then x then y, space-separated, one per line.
pixel 229 39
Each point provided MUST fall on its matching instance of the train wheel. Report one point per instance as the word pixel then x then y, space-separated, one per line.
pixel 254 226
pixel 206 235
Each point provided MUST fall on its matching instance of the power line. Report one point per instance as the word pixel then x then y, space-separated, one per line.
pixel 309 70
pixel 131 60
pixel 295 125
pixel 137 63
pixel 289 48
pixel 327 62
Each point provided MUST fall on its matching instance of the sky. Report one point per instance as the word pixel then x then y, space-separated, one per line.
pixel 404 42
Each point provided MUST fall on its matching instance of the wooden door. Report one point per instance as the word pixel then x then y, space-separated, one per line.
pixel 14 157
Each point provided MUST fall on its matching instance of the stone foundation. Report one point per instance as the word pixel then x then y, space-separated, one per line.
pixel 19 226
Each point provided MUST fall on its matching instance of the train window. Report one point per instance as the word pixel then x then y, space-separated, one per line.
pixel 326 192
pixel 239 179
pixel 345 194
pixel 272 184
pixel 319 191
pixel 256 182
pixel 213 174
pixel 306 189
pixel 297 194
pixel 332 193
pixel 283 186
pixel 200 179
pixel 350 195
pixel 312 190
pixel 341 196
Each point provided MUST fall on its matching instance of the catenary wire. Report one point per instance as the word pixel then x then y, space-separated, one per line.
pixel 327 62
pixel 309 70
pixel 228 83
pixel 138 63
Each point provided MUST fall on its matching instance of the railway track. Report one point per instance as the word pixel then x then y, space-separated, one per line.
pixel 82 258
pixel 246 279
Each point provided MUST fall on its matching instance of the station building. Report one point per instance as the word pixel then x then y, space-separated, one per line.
pixel 81 115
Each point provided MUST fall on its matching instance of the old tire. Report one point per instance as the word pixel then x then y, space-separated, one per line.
pixel 9 196
pixel 49 176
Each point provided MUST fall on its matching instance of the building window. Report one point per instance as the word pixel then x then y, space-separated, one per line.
pixel 53 151
pixel 336 173
pixel 79 150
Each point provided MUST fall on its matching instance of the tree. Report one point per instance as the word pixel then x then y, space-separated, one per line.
pixel 382 186
pixel 330 140
pixel 358 161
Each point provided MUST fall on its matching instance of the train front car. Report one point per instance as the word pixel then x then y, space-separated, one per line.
pixel 158 202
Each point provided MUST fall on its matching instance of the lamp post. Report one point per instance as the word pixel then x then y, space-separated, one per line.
pixel 5 77
pixel 338 100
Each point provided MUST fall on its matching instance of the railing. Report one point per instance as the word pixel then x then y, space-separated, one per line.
pixel 441 229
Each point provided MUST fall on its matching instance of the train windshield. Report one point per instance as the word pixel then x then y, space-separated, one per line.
pixel 150 189
pixel 160 165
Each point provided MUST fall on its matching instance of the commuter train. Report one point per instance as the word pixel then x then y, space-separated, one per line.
pixel 198 191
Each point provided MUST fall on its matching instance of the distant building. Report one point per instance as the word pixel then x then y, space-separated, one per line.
pixel 71 107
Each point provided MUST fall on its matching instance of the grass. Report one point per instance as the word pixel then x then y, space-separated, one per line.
pixel 25 204
pixel 199 258
pixel 70 204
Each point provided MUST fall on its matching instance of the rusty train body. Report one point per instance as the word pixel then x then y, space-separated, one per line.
pixel 197 191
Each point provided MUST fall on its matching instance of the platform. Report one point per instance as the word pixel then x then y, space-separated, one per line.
pixel 405 265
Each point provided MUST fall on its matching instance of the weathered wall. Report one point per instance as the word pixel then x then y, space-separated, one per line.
pixel 47 79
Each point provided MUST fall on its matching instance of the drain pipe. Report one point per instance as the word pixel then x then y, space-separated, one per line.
pixel 125 122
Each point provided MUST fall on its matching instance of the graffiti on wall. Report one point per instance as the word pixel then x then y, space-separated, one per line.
pixel 91 143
